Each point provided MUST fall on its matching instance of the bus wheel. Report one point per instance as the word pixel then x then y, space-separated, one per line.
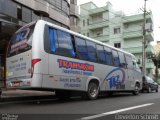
pixel 136 90
pixel 93 90
pixel 62 94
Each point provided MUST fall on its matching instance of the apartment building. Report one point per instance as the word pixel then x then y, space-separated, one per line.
pixel 117 29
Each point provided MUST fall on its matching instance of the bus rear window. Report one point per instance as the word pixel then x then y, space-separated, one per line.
pixel 21 41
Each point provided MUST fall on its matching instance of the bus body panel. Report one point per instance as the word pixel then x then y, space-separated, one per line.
pixel 18 68
pixel 59 72
pixel 38 50
pixel 66 78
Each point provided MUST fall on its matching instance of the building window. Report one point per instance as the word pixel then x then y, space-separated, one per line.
pixel 8 7
pixel 83 22
pixel 97 32
pixel 26 14
pixel 117 30
pixel 19 12
pixel 117 45
pixel 126 26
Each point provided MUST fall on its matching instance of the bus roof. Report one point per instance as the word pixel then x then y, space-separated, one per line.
pixel 80 35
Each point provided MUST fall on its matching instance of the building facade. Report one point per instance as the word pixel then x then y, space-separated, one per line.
pixel 117 29
pixel 74 15
pixel 157 61
pixel 16 13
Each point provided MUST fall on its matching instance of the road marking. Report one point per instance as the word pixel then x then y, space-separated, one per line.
pixel 116 111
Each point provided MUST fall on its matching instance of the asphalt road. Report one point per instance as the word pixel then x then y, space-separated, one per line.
pixel 104 108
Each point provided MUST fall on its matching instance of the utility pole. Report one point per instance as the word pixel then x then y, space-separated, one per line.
pixel 144 43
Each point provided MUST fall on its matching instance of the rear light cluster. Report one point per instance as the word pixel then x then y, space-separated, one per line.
pixel 34 61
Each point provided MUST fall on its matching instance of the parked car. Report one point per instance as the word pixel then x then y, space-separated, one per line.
pixel 149 85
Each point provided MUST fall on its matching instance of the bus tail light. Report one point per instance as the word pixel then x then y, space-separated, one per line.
pixel 34 61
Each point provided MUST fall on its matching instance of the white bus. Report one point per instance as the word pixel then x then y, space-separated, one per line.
pixel 44 56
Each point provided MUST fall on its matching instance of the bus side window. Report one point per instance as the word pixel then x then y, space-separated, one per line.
pixel 65 46
pixel 91 47
pixel 108 54
pixel 53 39
pixel 74 45
pixel 61 43
pixel 82 52
pixel 101 54
pixel 122 60
pixel 116 58
pixel 129 62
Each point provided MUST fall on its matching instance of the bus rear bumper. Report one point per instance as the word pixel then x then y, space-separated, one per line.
pixel 20 83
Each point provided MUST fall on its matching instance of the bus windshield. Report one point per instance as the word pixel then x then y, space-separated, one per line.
pixel 21 41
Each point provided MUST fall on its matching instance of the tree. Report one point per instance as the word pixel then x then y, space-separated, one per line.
pixel 156 61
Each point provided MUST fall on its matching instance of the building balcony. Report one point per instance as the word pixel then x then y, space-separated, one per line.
pixel 98 24
pixel 150 49
pixel 102 38
pixel 133 50
pixel 150 36
pixel 135 18
pixel 138 34
pixel 97 10
pixel 132 34
pixel 138 49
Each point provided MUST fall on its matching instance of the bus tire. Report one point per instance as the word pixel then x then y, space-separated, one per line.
pixel 62 94
pixel 136 90
pixel 93 91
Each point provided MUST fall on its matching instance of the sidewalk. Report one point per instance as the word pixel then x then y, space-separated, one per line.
pixel 24 93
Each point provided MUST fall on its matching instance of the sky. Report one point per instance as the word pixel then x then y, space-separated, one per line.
pixel 134 6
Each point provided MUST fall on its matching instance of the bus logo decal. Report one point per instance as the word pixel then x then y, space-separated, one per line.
pixel 75 65
pixel 116 77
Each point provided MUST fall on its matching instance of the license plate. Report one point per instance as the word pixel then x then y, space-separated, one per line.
pixel 16 84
